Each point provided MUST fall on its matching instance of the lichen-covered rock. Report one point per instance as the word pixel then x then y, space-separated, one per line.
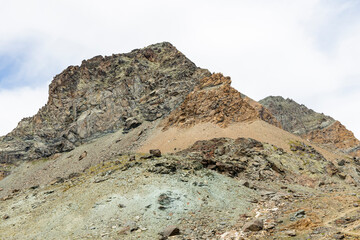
pixel 102 95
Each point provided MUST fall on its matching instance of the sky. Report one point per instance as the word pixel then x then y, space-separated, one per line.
pixel 306 50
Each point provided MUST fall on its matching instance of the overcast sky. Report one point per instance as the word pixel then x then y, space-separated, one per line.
pixel 305 50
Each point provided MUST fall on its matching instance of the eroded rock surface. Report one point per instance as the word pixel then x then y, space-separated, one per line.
pixel 315 127
pixel 102 95
pixel 214 100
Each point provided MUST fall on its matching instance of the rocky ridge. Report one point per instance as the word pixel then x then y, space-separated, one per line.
pixel 214 100
pixel 102 95
pixel 315 127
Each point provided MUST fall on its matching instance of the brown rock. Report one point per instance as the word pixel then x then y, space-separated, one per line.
pixel 254 226
pixel 155 152
pixel 214 100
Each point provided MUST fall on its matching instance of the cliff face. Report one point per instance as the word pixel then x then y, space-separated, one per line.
pixel 214 100
pixel 313 126
pixel 101 95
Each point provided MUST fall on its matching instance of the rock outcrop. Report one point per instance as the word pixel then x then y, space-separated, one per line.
pixel 315 127
pixel 102 95
pixel 214 100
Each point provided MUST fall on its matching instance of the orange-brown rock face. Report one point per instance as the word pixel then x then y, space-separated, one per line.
pixel 214 100
pixel 335 135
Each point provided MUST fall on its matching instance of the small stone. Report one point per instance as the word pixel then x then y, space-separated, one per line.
pixel 342 175
pixel 290 233
pixel 83 155
pixel 341 162
pixel 113 227
pixel 356 205
pixel 132 158
pixel 121 205
pixel 254 226
pixel 169 231
pixel 34 187
pixel 5 217
pixel 1 189
pixel 155 152
pixel 339 236
pixel 300 214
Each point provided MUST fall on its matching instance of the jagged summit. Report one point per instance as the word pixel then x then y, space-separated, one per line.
pixel 101 95
pixel 315 127
pixel 214 100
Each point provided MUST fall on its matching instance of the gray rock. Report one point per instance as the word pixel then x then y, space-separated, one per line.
pixel 169 231
pixel 300 214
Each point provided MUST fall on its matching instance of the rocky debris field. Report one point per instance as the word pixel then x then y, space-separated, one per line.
pixel 217 189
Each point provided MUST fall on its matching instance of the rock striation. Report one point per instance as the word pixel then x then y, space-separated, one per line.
pixel 102 95
pixel 315 127
pixel 214 100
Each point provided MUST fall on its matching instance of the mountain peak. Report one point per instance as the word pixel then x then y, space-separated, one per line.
pixel 214 100
pixel 102 95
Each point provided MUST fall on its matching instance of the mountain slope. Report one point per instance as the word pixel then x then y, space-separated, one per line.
pixel 315 127
pixel 101 96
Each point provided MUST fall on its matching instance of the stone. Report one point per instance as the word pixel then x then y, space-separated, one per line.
pixel 356 205
pixel 169 231
pixel 83 155
pixel 291 233
pixel 128 228
pixel 341 162
pixel 1 189
pixel 300 214
pixel 254 226
pixel 5 217
pixel 155 152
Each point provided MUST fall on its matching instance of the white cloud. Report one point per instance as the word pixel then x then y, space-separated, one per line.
pixel 19 103
pixel 307 50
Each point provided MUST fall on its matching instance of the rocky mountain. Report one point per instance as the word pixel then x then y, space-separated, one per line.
pixel 102 95
pixel 214 100
pixel 315 127
pixel 145 145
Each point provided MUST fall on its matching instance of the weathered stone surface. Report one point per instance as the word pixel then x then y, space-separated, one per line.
pixel 294 117
pixel 155 152
pixel 102 95
pixel 254 226
pixel 315 127
pixel 170 231
pixel 214 100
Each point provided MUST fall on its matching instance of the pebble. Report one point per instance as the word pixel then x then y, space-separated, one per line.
pixel 355 204
pixel 291 233
pixel 169 231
